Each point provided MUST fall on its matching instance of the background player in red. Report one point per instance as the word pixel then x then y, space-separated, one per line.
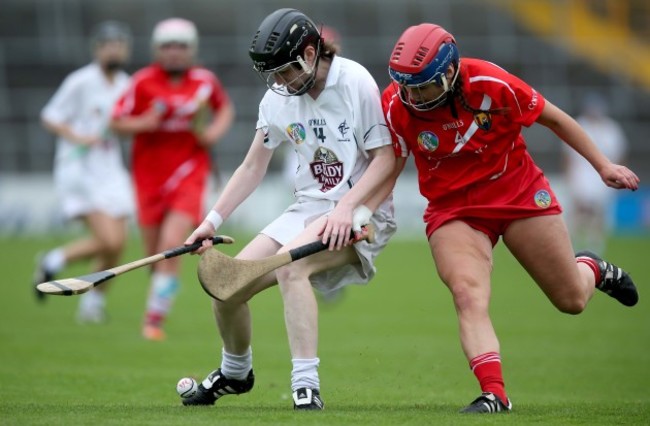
pixel 176 111
pixel 462 120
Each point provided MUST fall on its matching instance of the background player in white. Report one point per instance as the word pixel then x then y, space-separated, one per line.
pixel 89 176
pixel 328 108
pixel 590 201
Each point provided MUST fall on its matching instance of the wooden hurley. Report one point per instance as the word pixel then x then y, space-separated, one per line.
pixel 224 277
pixel 79 285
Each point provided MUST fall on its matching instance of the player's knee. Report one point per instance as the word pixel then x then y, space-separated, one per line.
pixel 571 305
pixel 224 308
pixel 113 246
pixel 290 272
pixel 468 292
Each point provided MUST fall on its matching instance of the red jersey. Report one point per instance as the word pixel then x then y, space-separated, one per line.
pixel 452 153
pixel 162 158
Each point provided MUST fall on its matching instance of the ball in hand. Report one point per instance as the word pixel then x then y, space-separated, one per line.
pixel 186 387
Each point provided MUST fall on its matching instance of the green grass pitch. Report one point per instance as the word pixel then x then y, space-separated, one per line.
pixel 389 351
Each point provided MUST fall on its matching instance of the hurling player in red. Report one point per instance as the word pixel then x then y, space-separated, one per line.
pixel 176 112
pixel 461 119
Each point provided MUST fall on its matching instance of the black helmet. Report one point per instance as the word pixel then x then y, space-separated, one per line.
pixel 111 31
pixel 281 39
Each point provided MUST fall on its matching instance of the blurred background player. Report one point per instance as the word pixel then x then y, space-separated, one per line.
pixel 461 118
pixel 328 109
pixel 590 200
pixel 89 174
pixel 176 111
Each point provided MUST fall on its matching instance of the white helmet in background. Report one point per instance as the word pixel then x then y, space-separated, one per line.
pixel 175 30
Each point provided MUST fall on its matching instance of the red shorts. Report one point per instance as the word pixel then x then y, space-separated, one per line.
pixel 491 206
pixel 154 202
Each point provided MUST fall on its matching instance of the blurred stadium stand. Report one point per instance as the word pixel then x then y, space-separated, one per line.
pixel 42 41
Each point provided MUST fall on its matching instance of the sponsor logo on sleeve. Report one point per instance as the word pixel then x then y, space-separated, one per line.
pixel 542 199
pixel 533 100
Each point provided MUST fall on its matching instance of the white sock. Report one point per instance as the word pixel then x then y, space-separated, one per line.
pixel 54 260
pixel 305 374
pixel 162 293
pixel 92 300
pixel 236 366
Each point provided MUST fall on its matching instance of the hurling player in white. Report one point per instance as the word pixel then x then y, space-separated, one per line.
pixel 590 201
pixel 90 179
pixel 328 109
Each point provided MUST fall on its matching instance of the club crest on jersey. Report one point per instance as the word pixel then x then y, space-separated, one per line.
pixel 296 132
pixel 343 130
pixel 326 168
pixel 542 199
pixel 428 141
pixel 483 120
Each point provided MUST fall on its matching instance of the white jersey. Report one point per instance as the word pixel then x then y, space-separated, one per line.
pixel 584 182
pixel 331 134
pixel 89 178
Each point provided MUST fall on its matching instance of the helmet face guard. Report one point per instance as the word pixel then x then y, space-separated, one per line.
pixel 278 48
pixel 420 59
pixel 299 82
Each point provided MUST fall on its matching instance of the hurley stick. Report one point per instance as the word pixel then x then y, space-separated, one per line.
pixel 223 277
pixel 79 285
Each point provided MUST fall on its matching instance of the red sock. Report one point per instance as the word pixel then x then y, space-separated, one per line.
pixel 592 264
pixel 487 369
pixel 154 318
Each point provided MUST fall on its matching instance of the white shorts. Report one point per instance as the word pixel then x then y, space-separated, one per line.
pixel 82 190
pixel 299 215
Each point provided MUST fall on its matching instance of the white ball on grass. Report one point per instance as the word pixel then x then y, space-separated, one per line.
pixel 186 387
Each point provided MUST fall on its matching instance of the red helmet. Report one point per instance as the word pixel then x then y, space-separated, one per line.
pixel 422 54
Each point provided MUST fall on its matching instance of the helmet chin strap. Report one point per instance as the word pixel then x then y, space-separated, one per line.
pixel 310 71
pixel 305 66
pixel 450 94
pixel 445 83
pixel 452 104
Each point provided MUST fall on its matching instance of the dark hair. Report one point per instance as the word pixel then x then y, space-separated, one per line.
pixel 460 94
pixel 111 31
pixel 328 49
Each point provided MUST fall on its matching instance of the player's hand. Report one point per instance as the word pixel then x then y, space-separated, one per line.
pixel 206 137
pixel 619 177
pixel 360 217
pixel 152 118
pixel 338 227
pixel 204 232
pixel 201 126
pixel 84 140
